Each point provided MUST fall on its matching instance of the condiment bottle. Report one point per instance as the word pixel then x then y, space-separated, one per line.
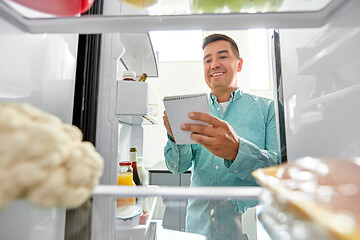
pixel 143 174
pixel 129 75
pixel 133 158
pixel 125 177
pixel 143 77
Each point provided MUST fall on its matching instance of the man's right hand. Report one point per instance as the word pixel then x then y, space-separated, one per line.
pixel 167 126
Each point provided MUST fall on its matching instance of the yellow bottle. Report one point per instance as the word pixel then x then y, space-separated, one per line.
pixel 125 177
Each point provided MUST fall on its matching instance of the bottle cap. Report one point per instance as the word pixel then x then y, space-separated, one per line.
pixel 129 74
pixel 125 163
pixel 132 149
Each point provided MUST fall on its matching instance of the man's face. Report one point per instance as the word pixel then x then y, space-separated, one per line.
pixel 221 66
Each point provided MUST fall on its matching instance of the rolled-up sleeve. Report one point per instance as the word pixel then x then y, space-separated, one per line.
pixel 250 157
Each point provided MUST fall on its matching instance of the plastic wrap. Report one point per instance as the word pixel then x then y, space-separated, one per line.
pixel 312 197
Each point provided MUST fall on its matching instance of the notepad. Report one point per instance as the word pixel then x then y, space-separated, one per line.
pixel 177 110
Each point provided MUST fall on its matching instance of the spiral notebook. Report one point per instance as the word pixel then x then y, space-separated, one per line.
pixel 177 110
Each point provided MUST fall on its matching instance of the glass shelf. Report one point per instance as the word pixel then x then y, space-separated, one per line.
pixel 167 208
pixel 171 14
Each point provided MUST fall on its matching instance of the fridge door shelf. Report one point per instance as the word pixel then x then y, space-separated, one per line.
pixel 25 220
pixel 139 54
pixel 131 21
pixel 137 120
pixel 134 104
pixel 244 193
pixel 138 231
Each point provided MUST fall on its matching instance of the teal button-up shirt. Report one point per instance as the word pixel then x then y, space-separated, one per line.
pixel 253 120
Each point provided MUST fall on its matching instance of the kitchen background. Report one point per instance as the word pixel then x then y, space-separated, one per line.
pixel 181 72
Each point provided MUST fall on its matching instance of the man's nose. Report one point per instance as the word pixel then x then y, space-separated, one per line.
pixel 215 64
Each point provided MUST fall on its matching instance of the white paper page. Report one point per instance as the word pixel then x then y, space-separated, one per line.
pixel 177 110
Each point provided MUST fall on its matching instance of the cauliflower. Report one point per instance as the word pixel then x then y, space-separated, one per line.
pixel 44 160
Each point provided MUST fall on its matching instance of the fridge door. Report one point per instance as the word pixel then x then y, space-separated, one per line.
pixel 24 220
pixel 38 69
pixel 321 87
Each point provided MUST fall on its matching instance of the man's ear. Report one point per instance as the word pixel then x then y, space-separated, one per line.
pixel 240 64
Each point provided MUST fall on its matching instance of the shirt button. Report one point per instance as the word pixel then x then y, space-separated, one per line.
pixel 216 167
pixel 236 170
pixel 175 165
pixel 213 219
pixel 218 109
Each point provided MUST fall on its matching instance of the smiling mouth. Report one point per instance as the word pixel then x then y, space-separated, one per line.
pixel 217 74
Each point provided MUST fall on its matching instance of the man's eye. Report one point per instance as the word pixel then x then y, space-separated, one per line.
pixel 223 57
pixel 207 61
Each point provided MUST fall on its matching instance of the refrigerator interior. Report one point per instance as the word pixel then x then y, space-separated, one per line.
pixel 38 69
pixel 319 78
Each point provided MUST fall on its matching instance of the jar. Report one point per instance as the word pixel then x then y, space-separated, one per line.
pixel 129 75
pixel 125 177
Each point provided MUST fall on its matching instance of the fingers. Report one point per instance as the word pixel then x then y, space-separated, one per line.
pixel 205 117
pixel 204 130
pixel 222 146
pixel 215 125
pixel 167 125
pixel 206 141
pixel 165 119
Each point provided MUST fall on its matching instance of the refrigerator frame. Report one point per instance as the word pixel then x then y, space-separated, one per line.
pixel 139 24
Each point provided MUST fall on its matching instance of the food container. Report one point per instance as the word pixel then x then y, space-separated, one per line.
pixel 128 215
pixel 312 198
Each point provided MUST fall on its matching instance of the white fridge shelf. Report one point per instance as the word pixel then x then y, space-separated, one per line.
pixel 137 231
pixel 243 193
pixel 143 21
pixel 134 103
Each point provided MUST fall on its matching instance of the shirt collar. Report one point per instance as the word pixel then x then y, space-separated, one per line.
pixel 236 94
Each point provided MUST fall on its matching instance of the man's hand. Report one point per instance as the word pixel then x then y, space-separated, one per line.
pixel 218 137
pixel 167 126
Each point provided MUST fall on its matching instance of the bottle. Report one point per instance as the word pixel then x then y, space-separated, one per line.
pixel 133 158
pixel 129 75
pixel 143 174
pixel 143 77
pixel 125 177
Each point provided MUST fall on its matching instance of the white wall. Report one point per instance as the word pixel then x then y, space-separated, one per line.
pixel 183 77
pixel 170 82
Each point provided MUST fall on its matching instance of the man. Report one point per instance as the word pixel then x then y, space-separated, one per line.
pixel 240 137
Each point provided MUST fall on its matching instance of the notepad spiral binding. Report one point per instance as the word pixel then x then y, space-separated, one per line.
pixel 184 96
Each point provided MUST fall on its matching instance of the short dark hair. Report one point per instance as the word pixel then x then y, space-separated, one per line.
pixel 217 37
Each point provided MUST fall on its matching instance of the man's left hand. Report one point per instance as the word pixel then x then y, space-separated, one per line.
pixel 218 137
